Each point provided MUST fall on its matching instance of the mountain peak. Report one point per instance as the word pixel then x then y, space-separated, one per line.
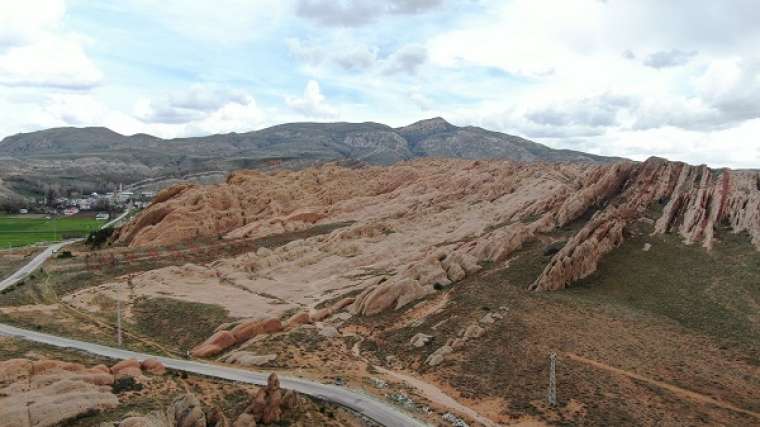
pixel 427 126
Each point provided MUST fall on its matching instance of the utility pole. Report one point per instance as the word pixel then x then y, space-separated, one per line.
pixel 118 322
pixel 552 395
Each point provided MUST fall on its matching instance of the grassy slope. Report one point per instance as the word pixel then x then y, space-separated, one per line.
pixel 716 293
pixel 177 324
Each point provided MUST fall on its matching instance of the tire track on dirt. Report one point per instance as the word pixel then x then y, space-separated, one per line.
pixel 676 390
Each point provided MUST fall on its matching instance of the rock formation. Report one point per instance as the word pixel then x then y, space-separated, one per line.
pixel 269 405
pixel 186 411
pixel 246 358
pixel 421 226
pixel 50 392
pixel 215 344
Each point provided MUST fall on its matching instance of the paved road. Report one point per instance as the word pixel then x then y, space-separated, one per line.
pixel 40 259
pixel 370 407
pixel 117 219
pixel 34 264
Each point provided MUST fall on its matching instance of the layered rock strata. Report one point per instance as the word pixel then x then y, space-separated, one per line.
pixel 423 225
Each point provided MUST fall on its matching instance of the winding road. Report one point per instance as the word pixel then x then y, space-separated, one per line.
pixel 34 264
pixel 374 409
pixel 40 259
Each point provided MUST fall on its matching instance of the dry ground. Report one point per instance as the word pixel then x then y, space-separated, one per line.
pixel 159 391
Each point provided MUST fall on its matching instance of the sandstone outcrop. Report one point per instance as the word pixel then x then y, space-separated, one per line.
pixel 215 344
pixel 269 405
pixel 49 392
pixel 186 411
pixel 438 356
pixel 418 227
pixel 153 366
pixel 696 200
pixel 246 358
pixel 247 330
pixel 420 339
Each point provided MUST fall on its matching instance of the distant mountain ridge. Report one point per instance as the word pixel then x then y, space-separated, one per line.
pixel 88 158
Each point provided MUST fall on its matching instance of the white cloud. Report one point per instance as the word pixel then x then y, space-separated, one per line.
pixel 313 104
pixel 23 22
pixel 195 103
pixel 58 62
pixel 219 21
pixel 35 51
pixel 232 117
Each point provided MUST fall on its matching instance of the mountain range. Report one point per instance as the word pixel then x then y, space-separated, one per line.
pixel 97 158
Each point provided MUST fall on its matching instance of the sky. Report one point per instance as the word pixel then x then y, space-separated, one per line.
pixel 678 79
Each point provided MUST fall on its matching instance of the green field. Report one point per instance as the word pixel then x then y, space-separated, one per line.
pixel 25 230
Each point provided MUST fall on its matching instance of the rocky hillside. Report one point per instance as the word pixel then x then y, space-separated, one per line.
pixel 426 224
pixel 91 158
pixel 444 285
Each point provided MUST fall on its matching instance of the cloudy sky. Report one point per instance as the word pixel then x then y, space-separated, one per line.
pixel 678 79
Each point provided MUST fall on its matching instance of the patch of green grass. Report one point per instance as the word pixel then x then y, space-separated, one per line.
pixel 22 231
pixel 177 324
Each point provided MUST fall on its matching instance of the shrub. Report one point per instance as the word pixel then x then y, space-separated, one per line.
pixel 122 384
pixel 98 238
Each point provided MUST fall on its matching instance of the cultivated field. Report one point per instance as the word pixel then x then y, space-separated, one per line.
pixel 25 230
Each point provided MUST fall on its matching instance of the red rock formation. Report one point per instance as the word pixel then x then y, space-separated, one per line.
pixel 153 366
pixel 454 214
pixel 247 330
pixel 698 199
pixel 214 345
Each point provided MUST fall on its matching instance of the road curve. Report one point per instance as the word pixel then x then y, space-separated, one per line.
pixel 370 407
pixel 117 219
pixel 40 259
pixel 34 264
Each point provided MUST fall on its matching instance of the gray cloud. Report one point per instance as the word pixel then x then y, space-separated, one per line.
pixel 596 112
pixel 204 98
pixel 191 105
pixel 669 58
pixel 407 59
pixel 358 59
pixel 351 58
pixel 335 13
pixel 728 97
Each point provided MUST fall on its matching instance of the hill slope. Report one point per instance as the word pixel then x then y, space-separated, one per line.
pixel 94 158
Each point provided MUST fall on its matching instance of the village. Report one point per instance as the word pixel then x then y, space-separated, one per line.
pixel 104 204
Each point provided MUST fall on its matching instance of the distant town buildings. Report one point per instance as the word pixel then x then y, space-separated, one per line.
pixel 110 201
